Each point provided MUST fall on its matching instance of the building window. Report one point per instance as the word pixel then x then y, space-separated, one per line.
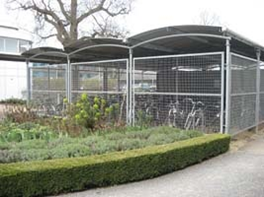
pixel 11 45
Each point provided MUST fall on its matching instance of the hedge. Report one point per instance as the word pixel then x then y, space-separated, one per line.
pixel 65 175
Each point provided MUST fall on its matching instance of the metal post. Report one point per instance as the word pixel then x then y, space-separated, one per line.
pixel 133 92
pixel 105 79
pixel 28 83
pixel 118 80
pixel 258 53
pixel 127 92
pixel 177 78
pixel 228 87
pixel 68 80
pixel 130 88
pixel 49 80
pixel 222 93
pixel 58 95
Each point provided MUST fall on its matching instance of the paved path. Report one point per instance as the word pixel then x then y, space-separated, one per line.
pixel 236 174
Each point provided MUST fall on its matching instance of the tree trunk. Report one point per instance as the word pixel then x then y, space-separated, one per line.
pixel 74 24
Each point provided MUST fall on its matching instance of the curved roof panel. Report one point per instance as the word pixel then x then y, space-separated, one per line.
pixel 162 41
pixel 172 30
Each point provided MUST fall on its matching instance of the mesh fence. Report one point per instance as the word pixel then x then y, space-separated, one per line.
pixel 261 108
pixel 181 91
pixel 243 93
pixel 261 96
pixel 48 88
pixel 102 79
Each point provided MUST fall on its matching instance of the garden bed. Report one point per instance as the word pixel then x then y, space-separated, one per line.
pixel 73 174
pixel 27 142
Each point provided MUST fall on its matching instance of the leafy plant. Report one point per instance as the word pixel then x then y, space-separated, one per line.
pixel 143 120
pixel 14 132
pixel 94 113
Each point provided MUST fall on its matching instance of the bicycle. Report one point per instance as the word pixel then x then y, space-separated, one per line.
pixel 152 111
pixel 195 117
pixel 174 114
pixel 47 108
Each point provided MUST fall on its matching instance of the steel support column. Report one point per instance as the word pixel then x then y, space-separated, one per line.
pixel 68 80
pixel 258 54
pixel 228 87
pixel 222 93
pixel 130 89
pixel 133 92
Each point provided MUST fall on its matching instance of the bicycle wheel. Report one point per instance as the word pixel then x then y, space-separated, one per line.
pixel 169 119
pixel 199 122
pixel 188 121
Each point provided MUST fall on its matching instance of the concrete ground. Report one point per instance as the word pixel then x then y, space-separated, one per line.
pixel 238 173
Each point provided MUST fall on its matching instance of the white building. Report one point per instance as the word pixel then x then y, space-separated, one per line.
pixel 13 74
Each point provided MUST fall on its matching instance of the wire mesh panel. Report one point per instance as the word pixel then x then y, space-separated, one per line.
pixel 243 93
pixel 261 108
pixel 48 87
pixel 261 96
pixel 183 91
pixel 104 79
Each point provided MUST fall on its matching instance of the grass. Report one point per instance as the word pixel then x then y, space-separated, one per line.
pixel 93 144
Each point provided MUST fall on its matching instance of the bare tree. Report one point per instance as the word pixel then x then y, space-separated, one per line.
pixel 207 18
pixel 66 19
pixel 105 27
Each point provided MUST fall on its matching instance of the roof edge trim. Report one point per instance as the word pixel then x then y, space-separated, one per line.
pixel 229 32
pixel 180 35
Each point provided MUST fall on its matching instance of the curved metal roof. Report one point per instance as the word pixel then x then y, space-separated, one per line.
pixel 45 54
pixel 179 40
pixel 171 30
pixel 161 41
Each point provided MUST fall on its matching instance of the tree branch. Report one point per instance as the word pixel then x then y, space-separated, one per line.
pixel 48 36
pixel 65 14
pixel 65 17
pixel 92 11
pixel 57 23
pixel 113 14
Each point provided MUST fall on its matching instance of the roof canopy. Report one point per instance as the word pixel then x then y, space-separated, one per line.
pixel 162 41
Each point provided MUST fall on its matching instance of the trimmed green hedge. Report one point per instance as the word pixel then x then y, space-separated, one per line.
pixel 65 175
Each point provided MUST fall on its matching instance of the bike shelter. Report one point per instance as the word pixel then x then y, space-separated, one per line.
pixel 191 77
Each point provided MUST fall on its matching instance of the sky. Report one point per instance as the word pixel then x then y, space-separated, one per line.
pixel 244 17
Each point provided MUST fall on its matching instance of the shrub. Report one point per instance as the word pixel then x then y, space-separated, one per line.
pixel 13 132
pixel 63 175
pixel 13 101
pixel 20 113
